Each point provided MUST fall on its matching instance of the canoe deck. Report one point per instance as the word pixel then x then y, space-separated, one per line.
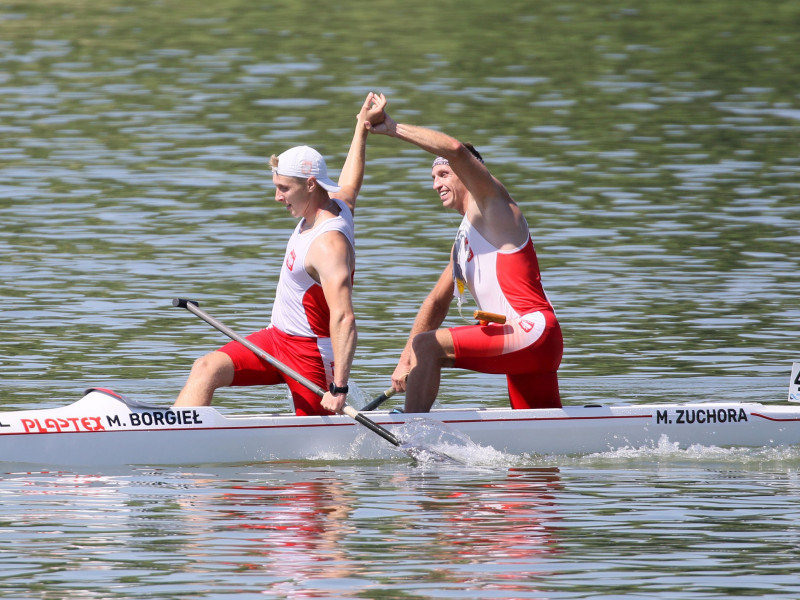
pixel 105 428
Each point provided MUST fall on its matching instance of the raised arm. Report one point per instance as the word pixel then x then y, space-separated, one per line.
pixel 473 173
pixel 352 175
pixel 490 208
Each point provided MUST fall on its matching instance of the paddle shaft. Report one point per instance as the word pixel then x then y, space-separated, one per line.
pixel 382 398
pixel 193 307
pixel 379 400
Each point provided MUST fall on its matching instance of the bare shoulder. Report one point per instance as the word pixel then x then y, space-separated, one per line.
pixel 500 221
pixel 330 254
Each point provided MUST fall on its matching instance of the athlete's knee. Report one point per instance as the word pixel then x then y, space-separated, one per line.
pixel 427 347
pixel 214 369
pixel 202 366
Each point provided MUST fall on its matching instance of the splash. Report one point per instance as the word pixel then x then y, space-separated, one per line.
pixel 668 451
pixel 433 442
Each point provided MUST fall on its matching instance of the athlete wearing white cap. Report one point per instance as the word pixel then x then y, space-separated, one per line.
pixel 304 162
pixel 313 327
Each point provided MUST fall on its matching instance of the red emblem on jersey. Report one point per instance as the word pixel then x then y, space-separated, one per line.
pixel 290 260
pixel 526 326
pixel 470 253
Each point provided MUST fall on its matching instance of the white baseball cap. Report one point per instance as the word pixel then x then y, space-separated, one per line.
pixel 305 162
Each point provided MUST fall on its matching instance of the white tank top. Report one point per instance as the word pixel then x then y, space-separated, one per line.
pixel 504 282
pixel 300 307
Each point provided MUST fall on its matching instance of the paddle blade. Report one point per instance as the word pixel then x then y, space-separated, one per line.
pixel 426 454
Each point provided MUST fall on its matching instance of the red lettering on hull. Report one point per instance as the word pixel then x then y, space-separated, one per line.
pixel 70 424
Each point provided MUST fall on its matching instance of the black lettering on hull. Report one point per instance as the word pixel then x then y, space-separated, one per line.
pixel 161 418
pixel 702 416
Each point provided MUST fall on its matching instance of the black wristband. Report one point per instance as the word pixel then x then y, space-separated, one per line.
pixel 338 390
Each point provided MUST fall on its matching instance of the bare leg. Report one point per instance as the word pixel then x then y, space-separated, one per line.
pixel 433 350
pixel 208 373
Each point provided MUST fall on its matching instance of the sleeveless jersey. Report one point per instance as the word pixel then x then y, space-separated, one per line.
pixel 300 307
pixel 503 282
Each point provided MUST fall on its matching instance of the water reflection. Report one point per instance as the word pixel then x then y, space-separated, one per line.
pixel 304 531
pixel 508 521
pixel 289 531
pixel 293 531
pixel 644 523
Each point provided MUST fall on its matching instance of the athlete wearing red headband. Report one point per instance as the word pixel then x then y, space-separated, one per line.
pixel 493 256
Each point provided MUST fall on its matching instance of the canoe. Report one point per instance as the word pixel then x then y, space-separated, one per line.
pixel 106 428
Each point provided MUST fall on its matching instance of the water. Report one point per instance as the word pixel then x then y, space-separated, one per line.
pixel 713 527
pixel 653 148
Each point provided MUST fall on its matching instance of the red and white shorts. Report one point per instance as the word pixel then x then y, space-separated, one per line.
pixel 311 357
pixel 527 350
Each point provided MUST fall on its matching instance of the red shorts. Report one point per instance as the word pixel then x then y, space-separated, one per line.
pixel 527 350
pixel 302 354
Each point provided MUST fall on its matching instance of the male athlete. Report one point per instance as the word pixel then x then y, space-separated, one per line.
pixel 313 328
pixel 493 255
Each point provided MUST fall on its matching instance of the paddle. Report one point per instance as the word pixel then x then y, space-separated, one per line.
pixel 379 400
pixel 483 317
pixel 351 412
pixel 382 398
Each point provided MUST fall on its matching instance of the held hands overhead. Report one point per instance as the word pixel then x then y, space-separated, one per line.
pixel 376 120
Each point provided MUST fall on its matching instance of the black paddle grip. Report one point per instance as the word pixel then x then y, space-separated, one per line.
pixel 182 303
pixel 384 433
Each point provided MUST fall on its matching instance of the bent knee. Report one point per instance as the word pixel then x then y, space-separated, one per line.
pixel 215 367
pixel 433 346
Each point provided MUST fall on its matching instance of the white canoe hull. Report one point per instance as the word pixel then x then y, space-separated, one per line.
pixel 103 428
